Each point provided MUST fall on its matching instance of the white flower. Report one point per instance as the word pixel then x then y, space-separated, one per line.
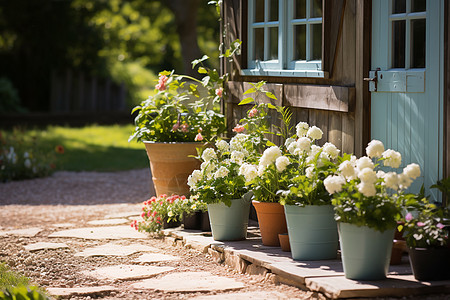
pixel 209 154
pixel 404 181
pixel 303 144
pixel 309 172
pixel 269 156
pixel 412 171
pixel 26 155
pixel 315 133
pixel 375 149
pixel 331 150
pixel 261 170
pixel 364 162
pixel 249 171
pixel 302 129
pixel 347 170
pixel 27 163
pixel 238 141
pixel 221 172
pixel 281 163
pixel 321 159
pixel 207 167
pixel 367 176
pixel 237 157
pixel 392 158
pixel 391 180
pixel 292 148
pixel 222 145
pixel 288 142
pixel 194 178
pixel 381 174
pixel 314 150
pixel 367 189
pixel 333 184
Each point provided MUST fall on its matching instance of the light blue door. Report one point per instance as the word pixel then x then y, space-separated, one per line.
pixel 407 95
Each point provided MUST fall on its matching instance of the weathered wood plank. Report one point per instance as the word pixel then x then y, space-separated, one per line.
pixel 334 98
pixel 335 129
pixel 348 132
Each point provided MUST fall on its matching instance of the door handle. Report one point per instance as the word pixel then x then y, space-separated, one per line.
pixel 372 79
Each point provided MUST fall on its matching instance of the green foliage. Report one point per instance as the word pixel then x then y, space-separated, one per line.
pixel 23 293
pixel 9 278
pixel 9 98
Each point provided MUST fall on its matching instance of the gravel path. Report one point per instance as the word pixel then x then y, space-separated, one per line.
pixel 69 200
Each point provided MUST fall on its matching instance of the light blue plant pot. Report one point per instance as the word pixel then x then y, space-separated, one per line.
pixel 312 232
pixel 366 252
pixel 229 223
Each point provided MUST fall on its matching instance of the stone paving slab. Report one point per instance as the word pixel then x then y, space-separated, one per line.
pixel 246 296
pixel 126 214
pixel 44 246
pixel 109 222
pixel 112 249
pixel 63 225
pixel 393 286
pixel 101 233
pixel 155 257
pixel 187 282
pixel 127 272
pixel 25 232
pixel 91 290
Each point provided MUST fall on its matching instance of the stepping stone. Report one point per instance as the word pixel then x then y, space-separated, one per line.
pixel 127 272
pixel 155 257
pixel 123 215
pixel 102 233
pixel 91 290
pixel 112 249
pixel 109 222
pixel 245 296
pixel 63 225
pixel 44 246
pixel 27 232
pixel 186 282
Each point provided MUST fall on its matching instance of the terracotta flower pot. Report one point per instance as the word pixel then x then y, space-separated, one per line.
pixel 171 165
pixel 284 242
pixel 271 221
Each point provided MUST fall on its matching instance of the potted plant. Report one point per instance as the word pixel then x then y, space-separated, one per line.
pixel 309 214
pixel 174 122
pixel 426 234
pixel 367 207
pixel 219 183
pixel 195 214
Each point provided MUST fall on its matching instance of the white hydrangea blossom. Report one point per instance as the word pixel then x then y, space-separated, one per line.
pixel 404 181
pixel 375 149
pixel 368 176
pixel 331 150
pixel 237 157
pixel 292 148
pixel 269 156
pixel 208 168
pixel 222 145
pixel 238 141
pixel 392 158
pixel 347 170
pixel 391 180
pixel 209 154
pixel 364 162
pixel 281 163
pixel 314 150
pixel 309 172
pixel 194 178
pixel 261 170
pixel 288 142
pixel 367 189
pixel 412 170
pixel 381 174
pixel 221 172
pixel 249 171
pixel 302 129
pixel 333 184
pixel 315 133
pixel 304 145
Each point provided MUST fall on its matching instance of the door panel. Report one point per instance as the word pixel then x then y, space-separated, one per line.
pixel 406 102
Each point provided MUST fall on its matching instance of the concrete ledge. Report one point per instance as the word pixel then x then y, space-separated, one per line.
pixel 326 276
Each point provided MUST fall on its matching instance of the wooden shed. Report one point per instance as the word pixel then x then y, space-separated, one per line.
pixel 358 69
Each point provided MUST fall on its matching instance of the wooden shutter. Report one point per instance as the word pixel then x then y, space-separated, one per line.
pixel 233 14
pixel 333 16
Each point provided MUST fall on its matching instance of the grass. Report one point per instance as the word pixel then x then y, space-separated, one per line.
pixel 9 278
pixel 16 286
pixel 90 148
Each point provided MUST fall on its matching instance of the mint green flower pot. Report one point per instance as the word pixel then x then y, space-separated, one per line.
pixel 312 232
pixel 229 223
pixel 366 252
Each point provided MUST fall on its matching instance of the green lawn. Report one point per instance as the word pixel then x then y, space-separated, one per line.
pixel 90 148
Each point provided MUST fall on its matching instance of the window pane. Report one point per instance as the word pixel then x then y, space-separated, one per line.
pixel 273 40
pixel 300 42
pixel 258 51
pixel 418 34
pixel 300 9
pixel 316 9
pixel 399 6
pixel 259 11
pixel 418 5
pixel 316 47
pixel 273 14
pixel 398 42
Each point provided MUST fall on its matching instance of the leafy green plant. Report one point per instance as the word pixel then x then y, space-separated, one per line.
pixel 9 97
pixel 15 286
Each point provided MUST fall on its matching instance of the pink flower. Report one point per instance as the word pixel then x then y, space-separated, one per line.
pixel 185 127
pixel 440 225
pixel 176 126
pixel 219 92
pixel 198 137
pixel 238 128
pixel 408 217
pixel 253 112
pixel 420 224
pixel 162 83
